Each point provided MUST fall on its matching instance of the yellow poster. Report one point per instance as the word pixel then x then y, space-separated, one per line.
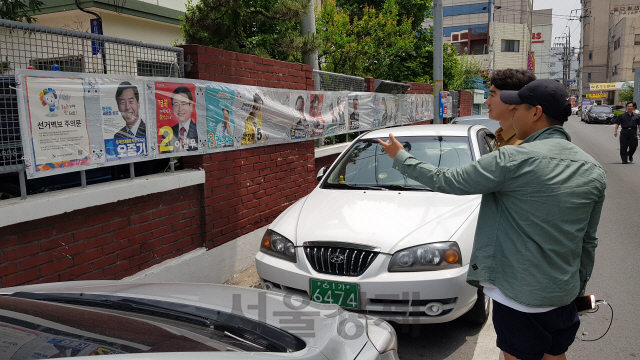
pixel 596 96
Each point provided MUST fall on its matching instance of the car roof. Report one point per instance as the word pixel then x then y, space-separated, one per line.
pixel 422 130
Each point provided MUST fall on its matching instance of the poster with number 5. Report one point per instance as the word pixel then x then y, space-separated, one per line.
pixel 176 118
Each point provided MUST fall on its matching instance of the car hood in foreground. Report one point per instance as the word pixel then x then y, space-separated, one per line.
pixel 389 220
pixel 317 327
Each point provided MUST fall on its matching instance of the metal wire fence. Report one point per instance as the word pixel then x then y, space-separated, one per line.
pixel 25 45
pixel 328 81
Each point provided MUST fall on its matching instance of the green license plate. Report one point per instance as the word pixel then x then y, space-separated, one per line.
pixel 332 292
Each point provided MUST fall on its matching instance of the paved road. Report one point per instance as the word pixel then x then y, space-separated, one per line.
pixel 614 278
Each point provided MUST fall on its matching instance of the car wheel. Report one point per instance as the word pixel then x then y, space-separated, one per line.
pixel 479 313
pixel 8 191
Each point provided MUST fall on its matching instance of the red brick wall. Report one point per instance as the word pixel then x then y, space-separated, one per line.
pixel 243 69
pixel 110 241
pixel 466 102
pixel 248 189
pixel 419 88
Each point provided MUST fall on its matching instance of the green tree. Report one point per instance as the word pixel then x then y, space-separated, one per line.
pixel 267 28
pixel 369 45
pixel 20 10
pixel 626 94
pixel 416 10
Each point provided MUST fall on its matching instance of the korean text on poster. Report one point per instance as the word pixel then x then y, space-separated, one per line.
pixel 176 117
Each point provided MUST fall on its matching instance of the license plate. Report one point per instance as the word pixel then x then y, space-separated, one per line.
pixel 332 292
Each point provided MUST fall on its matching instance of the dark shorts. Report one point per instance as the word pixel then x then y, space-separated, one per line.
pixel 528 336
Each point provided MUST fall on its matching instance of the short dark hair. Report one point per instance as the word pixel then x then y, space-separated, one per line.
pixel 256 98
pixel 182 90
pixel 551 121
pixel 300 97
pixel 511 79
pixel 125 85
pixel 225 109
pixel 632 103
pixel 315 98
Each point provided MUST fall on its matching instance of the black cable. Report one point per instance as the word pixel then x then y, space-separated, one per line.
pixel 610 322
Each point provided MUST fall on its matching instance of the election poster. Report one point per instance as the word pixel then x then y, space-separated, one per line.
pixel 220 122
pixel 361 111
pixel 249 103
pixel 318 123
pixel 277 116
pixel 301 126
pixel 124 129
pixel 330 111
pixel 58 127
pixel 176 117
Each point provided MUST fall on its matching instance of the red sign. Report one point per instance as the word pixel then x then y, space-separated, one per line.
pixel 535 37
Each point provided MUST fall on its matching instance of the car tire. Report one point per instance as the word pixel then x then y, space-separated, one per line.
pixel 479 313
pixel 8 191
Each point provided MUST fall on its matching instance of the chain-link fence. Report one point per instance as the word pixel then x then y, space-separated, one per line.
pixel 328 81
pixel 25 45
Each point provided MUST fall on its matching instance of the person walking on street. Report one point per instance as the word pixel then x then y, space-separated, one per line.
pixel 507 79
pixel 629 133
pixel 535 241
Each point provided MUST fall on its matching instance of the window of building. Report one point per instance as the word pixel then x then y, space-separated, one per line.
pixel 590 54
pixel 510 45
pixel 154 68
pixel 66 63
pixel 616 44
pixel 637 40
pixel 589 77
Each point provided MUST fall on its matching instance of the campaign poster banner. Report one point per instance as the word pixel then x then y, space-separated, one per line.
pixel 318 123
pixel 393 102
pixel 249 103
pixel 277 116
pixel 301 126
pixel 59 135
pixel 124 129
pixel 382 111
pixel 220 122
pixel 445 107
pixel 176 117
pixel 330 114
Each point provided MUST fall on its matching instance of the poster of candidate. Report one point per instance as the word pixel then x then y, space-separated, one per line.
pixel 248 104
pixel 330 111
pixel 59 136
pixel 361 111
pixel 301 126
pixel 124 129
pixel 176 117
pixel 277 115
pixel 318 123
pixel 220 123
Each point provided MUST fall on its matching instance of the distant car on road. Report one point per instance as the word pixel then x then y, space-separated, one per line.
pixel 574 110
pixel 599 114
pixel 175 321
pixel 483 120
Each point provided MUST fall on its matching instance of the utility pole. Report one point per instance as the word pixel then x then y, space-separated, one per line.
pixel 581 52
pixel 308 27
pixel 438 58
pixel 564 41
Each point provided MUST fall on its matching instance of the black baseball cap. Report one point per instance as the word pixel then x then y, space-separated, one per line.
pixel 546 93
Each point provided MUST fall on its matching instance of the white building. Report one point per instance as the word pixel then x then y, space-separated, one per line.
pixel 541 42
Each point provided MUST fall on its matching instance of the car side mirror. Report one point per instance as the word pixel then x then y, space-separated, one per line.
pixel 321 173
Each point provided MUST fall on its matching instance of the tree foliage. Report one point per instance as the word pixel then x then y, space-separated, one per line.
pixel 267 28
pixel 389 43
pixel 20 10
pixel 626 94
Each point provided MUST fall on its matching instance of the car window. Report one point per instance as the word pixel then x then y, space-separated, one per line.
pixel 366 164
pixel 490 140
pixel 603 109
pixel 485 146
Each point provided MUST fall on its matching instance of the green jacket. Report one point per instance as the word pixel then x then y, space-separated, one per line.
pixel 541 204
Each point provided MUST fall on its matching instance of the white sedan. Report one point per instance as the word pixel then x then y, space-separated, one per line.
pixel 373 241
pixel 130 321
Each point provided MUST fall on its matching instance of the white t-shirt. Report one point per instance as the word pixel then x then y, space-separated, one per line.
pixel 497 295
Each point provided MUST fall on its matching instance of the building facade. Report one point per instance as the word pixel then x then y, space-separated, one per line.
pixel 541 42
pixel 611 45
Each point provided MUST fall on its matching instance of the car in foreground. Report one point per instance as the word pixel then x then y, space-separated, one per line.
pixel 181 321
pixel 599 114
pixel 376 242
pixel 483 120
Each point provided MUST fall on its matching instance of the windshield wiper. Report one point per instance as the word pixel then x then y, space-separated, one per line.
pixel 354 186
pixel 405 187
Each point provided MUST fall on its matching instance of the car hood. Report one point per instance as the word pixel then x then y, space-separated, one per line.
pixel 318 332
pixel 389 220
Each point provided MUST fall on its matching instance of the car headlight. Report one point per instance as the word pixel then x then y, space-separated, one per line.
pixel 429 257
pixel 382 335
pixel 277 245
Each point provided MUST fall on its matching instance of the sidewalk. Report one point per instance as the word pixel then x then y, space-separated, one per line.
pixel 247 278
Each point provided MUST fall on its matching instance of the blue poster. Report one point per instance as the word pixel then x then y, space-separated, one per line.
pixel 220 123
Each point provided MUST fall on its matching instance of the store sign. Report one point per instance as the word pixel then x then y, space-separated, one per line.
pixel 536 38
pixel 596 96
pixel 602 86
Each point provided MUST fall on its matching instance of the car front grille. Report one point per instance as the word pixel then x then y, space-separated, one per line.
pixel 342 261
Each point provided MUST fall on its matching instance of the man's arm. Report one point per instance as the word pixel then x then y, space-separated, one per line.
pixel 486 175
pixel 589 243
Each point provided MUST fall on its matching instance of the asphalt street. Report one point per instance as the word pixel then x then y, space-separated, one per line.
pixel 614 278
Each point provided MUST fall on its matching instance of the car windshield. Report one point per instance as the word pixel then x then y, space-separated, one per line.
pixel 602 109
pixel 366 165
pixel 37 326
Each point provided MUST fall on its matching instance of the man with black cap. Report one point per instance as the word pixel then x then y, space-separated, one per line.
pixel 629 134
pixel 535 239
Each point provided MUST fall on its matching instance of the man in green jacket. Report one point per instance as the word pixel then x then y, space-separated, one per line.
pixel 535 240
